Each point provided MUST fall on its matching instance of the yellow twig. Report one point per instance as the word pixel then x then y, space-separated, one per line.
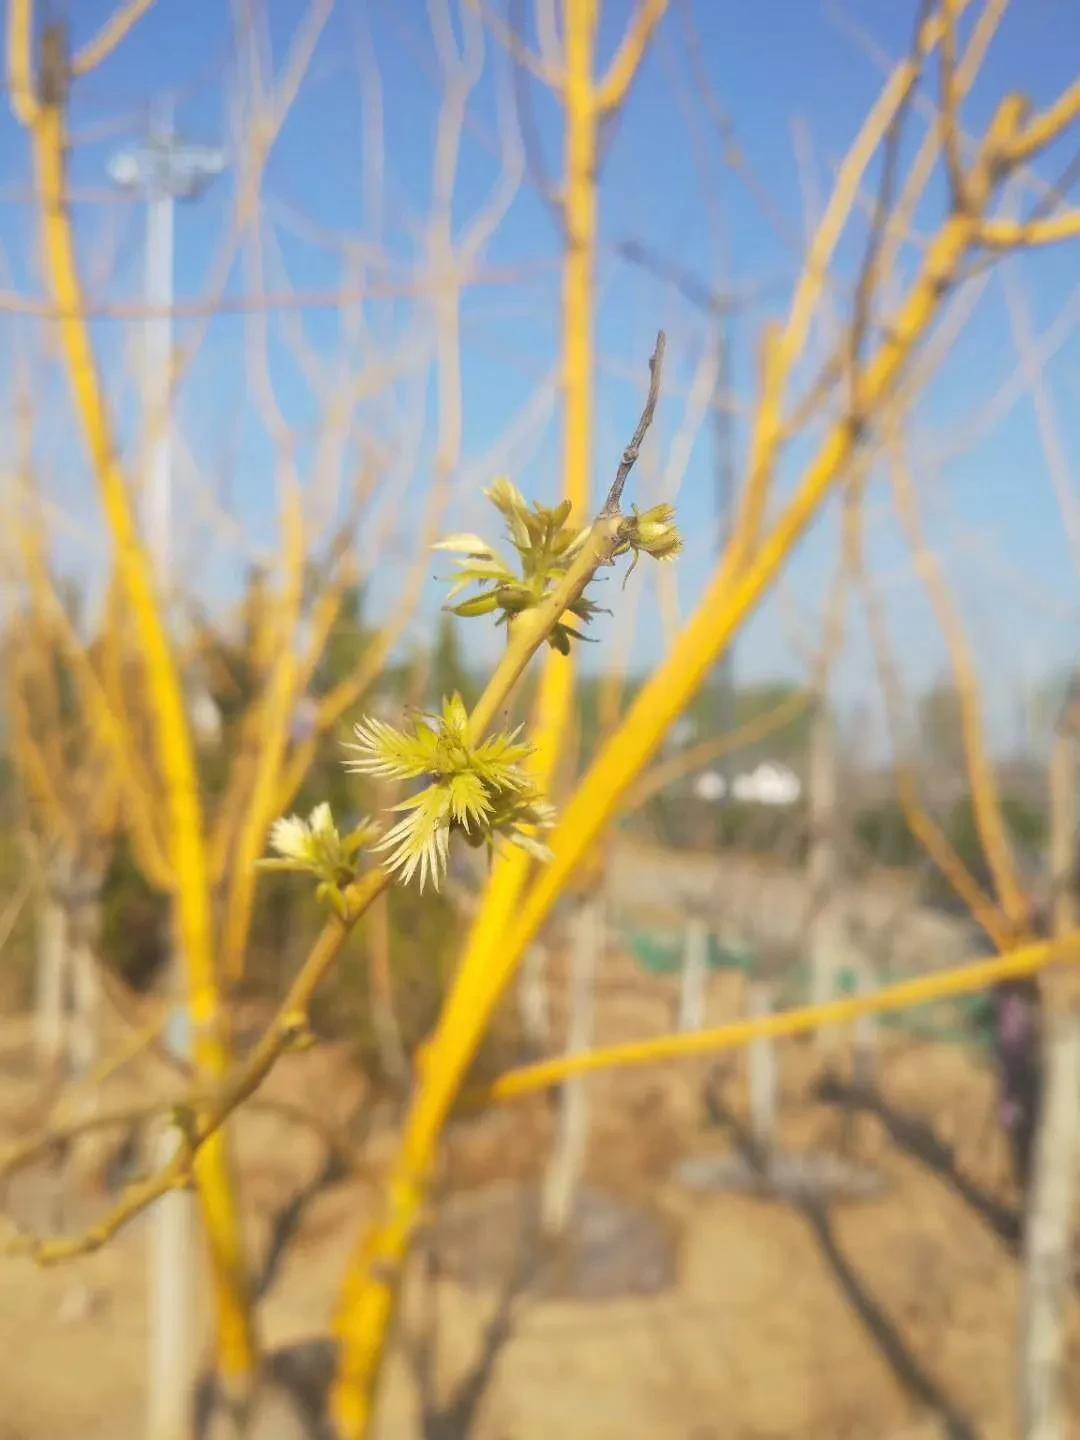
pixel 139 792
pixel 20 71
pixel 1041 130
pixel 962 980
pixel 208 1113
pixel 1019 234
pixel 111 34
pixel 613 88
pixel 923 827
pixel 986 802
pixel 48 137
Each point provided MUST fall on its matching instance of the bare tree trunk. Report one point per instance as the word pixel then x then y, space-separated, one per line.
pixel 568 1159
pixel 51 975
pixel 1052 1200
pixel 695 971
pixel 761 1068
pixel 84 1022
pixel 1048 1235
pixel 533 999
pixel 822 866
pixel 175 1241
pixel 864 1039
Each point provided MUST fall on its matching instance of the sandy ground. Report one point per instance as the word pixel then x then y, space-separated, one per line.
pixel 886 1317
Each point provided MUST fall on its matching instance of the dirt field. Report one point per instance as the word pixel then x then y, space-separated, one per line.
pixel 675 1314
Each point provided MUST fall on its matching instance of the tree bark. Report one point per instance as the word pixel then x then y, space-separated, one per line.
pixel 533 1000
pixel 823 920
pixel 1051 1206
pixel 174 1262
pixel 695 972
pixel 51 974
pixel 568 1159
pixel 761 1066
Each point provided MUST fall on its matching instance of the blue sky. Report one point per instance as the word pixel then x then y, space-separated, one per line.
pixel 794 78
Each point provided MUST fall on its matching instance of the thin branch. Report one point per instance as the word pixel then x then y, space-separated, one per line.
pixel 516 47
pixel 203 1117
pixel 1043 129
pixel 985 799
pixel 1019 234
pixel 1033 372
pixel 950 133
pixel 22 93
pixel 947 985
pixel 922 825
pixel 633 450
pixel 615 85
pixel 111 34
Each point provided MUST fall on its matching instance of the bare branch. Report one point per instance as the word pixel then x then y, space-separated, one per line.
pixel 1020 234
pixel 950 127
pixel 1045 128
pixel 22 92
pixel 612 89
pixel 516 47
pixel 630 454
pixel 111 34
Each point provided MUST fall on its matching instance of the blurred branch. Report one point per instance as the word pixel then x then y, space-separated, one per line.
pixel 22 94
pixel 516 47
pixel 950 138
pixel 614 86
pixel 49 147
pixel 923 827
pixel 1021 234
pixel 201 1116
pixel 948 984
pixel 986 801
pixel 111 34
pixel 695 756
pixel 1032 369
pixel 1043 129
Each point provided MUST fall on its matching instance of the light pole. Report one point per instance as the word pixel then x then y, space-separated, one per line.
pixel 162 170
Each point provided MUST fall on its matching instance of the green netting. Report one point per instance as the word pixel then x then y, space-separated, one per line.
pixel 663 954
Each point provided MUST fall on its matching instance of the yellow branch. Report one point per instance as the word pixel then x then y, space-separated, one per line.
pixel 192 895
pixel 986 802
pixel 369 1292
pixel 962 980
pixel 613 88
pixel 203 1136
pixel 1043 129
pixel 211 1110
pixel 38 776
pixel 727 603
pixel 111 34
pixel 270 741
pixel 137 789
pixel 20 33
pixel 923 827
pixel 1016 234
pixel 371 1284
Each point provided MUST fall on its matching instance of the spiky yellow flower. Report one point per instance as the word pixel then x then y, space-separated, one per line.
pixel 654 532
pixel 546 546
pixel 478 790
pixel 315 846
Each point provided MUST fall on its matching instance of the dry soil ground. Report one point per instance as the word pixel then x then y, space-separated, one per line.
pixel 682 1315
